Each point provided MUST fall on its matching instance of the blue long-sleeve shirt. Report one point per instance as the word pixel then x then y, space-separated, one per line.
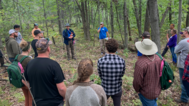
pixel 172 41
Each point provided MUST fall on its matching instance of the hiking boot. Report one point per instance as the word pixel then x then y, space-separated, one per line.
pixel 74 58
pixel 68 59
pixel 180 101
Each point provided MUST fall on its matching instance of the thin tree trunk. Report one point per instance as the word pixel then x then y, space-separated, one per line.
pixel 179 19
pixel 19 18
pixel 154 21
pixel 165 14
pixel 170 12
pixel 140 12
pixel 59 17
pixel 125 25
pixel 98 12
pixel 45 17
pixel 187 18
pixel 106 15
pixel 147 20
pixel 1 7
pixel 137 18
pixel 112 20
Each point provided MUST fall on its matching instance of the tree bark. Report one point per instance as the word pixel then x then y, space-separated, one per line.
pixel 112 20
pixel 154 21
pixel 170 13
pixel 147 20
pixel 59 17
pixel 165 14
pixel 19 17
pixel 45 17
pixel 106 15
pixel 137 18
pixel 140 13
pixel 187 18
pixel 125 25
pixel 179 20
pixel 1 7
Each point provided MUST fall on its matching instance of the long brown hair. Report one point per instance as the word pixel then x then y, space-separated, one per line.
pixel 85 69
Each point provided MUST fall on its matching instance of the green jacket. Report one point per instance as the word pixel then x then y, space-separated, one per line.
pixel 12 47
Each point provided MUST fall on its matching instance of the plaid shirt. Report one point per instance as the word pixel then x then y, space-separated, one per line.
pixel 111 69
pixel 186 70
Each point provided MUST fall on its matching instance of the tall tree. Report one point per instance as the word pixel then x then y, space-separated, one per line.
pixel 137 18
pixel 140 12
pixel 147 21
pixel 1 7
pixel 45 15
pixel 19 16
pixel 112 20
pixel 170 12
pixel 179 19
pixel 187 18
pixel 154 21
pixel 125 26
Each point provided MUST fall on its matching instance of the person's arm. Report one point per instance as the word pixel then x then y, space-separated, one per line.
pixel 99 71
pixel 15 48
pixel 179 47
pixel 138 78
pixel 65 36
pixel 62 89
pixel 33 33
pixel 99 29
pixel 167 36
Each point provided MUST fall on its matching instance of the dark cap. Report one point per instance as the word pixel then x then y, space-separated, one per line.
pixel 43 44
pixel 35 24
pixel 181 32
pixel 146 34
pixel 36 32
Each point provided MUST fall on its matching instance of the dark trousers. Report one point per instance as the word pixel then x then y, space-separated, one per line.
pixel 116 98
pixel 186 86
pixel 2 61
pixel 70 45
pixel 11 59
pixel 165 51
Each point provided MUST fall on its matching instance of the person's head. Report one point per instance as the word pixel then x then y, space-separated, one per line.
pixel 38 33
pixel 13 33
pixel 25 46
pixel 17 28
pixel 43 48
pixel 182 35
pixel 101 24
pixel 112 46
pixel 146 35
pixel 173 32
pixel 85 70
pixel 186 32
pixel 172 26
pixel 35 25
pixel 67 26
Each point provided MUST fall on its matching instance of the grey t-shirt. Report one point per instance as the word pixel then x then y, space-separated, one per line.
pixel 182 50
pixel 19 38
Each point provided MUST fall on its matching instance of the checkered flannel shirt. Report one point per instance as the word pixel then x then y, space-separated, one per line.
pixel 111 69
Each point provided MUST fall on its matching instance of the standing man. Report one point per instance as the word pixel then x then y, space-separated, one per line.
pixel 35 28
pixel 12 46
pixel 146 75
pixel 45 77
pixel 111 69
pixel 69 35
pixel 182 50
pixel 172 26
pixel 102 35
pixel 19 37
pixel 37 34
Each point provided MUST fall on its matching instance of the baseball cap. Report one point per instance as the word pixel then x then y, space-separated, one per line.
pixel 35 24
pixel 101 23
pixel 36 32
pixel 11 31
pixel 186 29
pixel 67 25
pixel 181 32
pixel 43 44
pixel 146 34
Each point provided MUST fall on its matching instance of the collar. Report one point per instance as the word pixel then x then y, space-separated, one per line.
pixel 84 84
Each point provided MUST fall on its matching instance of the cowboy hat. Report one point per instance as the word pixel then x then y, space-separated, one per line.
pixel 146 47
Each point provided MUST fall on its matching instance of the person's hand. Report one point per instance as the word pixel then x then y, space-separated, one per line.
pixel 167 46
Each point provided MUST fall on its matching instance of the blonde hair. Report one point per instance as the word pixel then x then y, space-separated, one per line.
pixel 25 46
pixel 85 69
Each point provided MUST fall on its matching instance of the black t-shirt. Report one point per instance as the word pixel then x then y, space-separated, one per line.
pixel 34 47
pixel 43 74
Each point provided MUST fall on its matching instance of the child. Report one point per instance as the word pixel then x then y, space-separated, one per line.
pixel 172 43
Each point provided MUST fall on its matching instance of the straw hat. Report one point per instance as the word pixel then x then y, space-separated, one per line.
pixel 146 47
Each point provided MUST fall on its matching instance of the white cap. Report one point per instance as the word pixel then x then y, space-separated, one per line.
pixel 11 31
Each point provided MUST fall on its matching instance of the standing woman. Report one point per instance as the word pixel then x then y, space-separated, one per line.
pixel 83 92
pixel 26 48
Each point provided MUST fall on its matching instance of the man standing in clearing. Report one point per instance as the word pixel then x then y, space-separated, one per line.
pixel 182 50
pixel 19 37
pixel 35 28
pixel 12 46
pixel 69 35
pixel 45 77
pixel 37 34
pixel 102 35
pixel 146 75
pixel 172 26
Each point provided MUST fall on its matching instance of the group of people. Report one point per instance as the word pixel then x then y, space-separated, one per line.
pixel 46 78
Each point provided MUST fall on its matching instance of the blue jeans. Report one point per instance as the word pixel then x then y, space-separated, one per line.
pixel 186 86
pixel 147 102
pixel 184 96
pixel 11 59
pixel 174 56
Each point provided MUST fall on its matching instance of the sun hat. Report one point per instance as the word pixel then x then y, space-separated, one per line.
pixel 67 25
pixel 43 44
pixel 146 47
pixel 11 31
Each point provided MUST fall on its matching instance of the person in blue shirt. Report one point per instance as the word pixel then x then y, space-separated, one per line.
pixel 145 35
pixel 69 35
pixel 103 31
pixel 19 37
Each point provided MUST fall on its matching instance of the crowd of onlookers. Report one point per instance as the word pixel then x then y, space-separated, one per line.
pixel 46 78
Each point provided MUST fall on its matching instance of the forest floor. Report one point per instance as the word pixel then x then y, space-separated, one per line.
pixel 10 96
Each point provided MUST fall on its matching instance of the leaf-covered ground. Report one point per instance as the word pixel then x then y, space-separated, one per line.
pixel 10 96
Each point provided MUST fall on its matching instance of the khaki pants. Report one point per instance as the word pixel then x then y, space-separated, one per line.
pixel 70 45
pixel 102 45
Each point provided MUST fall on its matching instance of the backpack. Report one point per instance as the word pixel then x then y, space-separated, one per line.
pixel 166 74
pixel 15 71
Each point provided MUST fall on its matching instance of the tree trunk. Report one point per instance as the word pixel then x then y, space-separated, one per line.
pixel 179 19
pixel 59 17
pixel 165 14
pixel 147 20
pixel 137 18
pixel 45 17
pixel 170 13
pixel 106 15
pixel 19 17
pixel 140 13
pixel 112 20
pixel 125 25
pixel 187 18
pixel 98 12
pixel 1 7
pixel 154 21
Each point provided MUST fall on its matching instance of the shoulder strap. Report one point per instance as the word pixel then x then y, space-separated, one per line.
pixel 16 58
pixel 159 56
pixel 22 59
